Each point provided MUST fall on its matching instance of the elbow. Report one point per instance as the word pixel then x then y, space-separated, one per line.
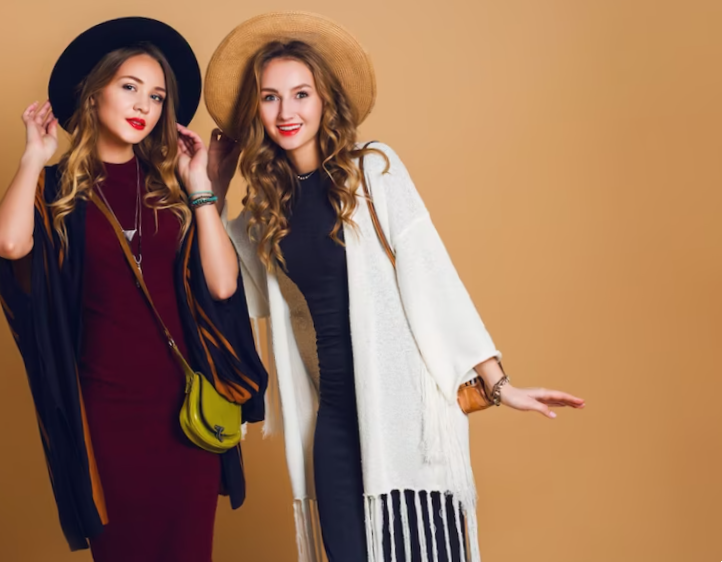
pixel 223 291
pixel 11 250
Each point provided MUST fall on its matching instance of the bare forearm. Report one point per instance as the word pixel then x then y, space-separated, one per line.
pixel 218 256
pixel 17 214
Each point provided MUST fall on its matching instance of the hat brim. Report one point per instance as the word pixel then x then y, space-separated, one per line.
pixel 347 59
pixel 88 49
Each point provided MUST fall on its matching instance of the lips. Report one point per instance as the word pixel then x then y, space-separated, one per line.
pixel 289 130
pixel 137 124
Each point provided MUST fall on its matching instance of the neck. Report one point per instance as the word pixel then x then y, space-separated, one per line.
pixel 114 151
pixel 306 158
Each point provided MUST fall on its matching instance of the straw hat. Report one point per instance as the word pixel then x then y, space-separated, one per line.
pixel 85 51
pixel 342 52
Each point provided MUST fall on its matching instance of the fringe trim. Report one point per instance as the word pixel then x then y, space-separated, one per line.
pixel 442 444
pixel 308 531
pixel 392 525
pixel 378 508
pixel 310 544
pixel 447 531
pixel 421 528
pixel 472 537
pixel 432 526
pixel 370 539
pixel 457 518
pixel 378 524
pixel 404 508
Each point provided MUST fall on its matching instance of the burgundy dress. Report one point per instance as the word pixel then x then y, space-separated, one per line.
pixel 160 491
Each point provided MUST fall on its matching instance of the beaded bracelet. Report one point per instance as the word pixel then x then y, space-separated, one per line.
pixel 200 201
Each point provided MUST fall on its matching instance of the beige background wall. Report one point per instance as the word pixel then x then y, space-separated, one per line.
pixel 570 154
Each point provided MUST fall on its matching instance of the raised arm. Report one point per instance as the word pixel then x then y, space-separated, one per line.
pixel 218 257
pixel 17 215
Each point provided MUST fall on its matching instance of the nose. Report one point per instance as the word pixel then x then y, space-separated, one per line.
pixel 285 113
pixel 142 104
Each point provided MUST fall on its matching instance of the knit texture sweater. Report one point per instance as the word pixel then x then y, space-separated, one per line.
pixel 416 336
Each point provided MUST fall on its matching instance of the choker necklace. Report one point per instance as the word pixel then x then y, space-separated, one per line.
pixel 306 176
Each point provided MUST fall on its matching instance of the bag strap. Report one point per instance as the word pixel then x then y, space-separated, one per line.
pixel 140 282
pixel 372 210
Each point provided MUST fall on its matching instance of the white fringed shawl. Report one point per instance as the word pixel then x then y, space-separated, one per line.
pixel 416 337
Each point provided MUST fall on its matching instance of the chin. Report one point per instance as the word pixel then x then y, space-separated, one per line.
pixel 291 143
pixel 134 138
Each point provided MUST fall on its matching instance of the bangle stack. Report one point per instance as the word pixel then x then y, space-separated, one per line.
pixel 495 396
pixel 201 198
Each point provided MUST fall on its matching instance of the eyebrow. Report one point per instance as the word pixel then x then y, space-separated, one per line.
pixel 292 89
pixel 140 81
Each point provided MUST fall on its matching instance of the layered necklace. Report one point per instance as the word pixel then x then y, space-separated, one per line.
pixel 138 226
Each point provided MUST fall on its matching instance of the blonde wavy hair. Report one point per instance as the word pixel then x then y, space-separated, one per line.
pixel 81 166
pixel 270 177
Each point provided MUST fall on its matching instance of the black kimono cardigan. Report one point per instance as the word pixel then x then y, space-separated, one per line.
pixel 41 297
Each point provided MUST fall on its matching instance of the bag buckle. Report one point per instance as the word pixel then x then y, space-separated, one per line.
pixel 219 432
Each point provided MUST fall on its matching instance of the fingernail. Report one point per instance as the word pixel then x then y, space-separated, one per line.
pixel 552 415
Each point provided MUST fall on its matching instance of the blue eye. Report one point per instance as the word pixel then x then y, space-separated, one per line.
pixel 269 97
pixel 302 94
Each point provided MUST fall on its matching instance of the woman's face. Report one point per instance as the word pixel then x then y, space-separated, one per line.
pixel 291 107
pixel 130 106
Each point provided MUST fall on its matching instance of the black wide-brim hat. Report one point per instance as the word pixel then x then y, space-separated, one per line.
pixel 87 50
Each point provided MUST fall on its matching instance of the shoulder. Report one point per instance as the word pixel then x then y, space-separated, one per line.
pixel 382 160
pixel 392 188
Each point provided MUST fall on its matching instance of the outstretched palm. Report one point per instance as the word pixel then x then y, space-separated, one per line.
pixel 538 399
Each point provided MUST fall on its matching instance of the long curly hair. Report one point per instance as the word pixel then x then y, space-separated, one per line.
pixel 81 167
pixel 269 175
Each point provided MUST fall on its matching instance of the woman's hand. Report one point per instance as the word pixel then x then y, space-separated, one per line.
pixel 223 153
pixel 41 129
pixel 192 161
pixel 525 399
pixel 538 399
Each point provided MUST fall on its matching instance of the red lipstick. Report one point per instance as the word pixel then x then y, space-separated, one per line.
pixel 289 130
pixel 136 123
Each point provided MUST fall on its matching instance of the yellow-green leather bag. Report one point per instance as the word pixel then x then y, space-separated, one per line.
pixel 209 419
